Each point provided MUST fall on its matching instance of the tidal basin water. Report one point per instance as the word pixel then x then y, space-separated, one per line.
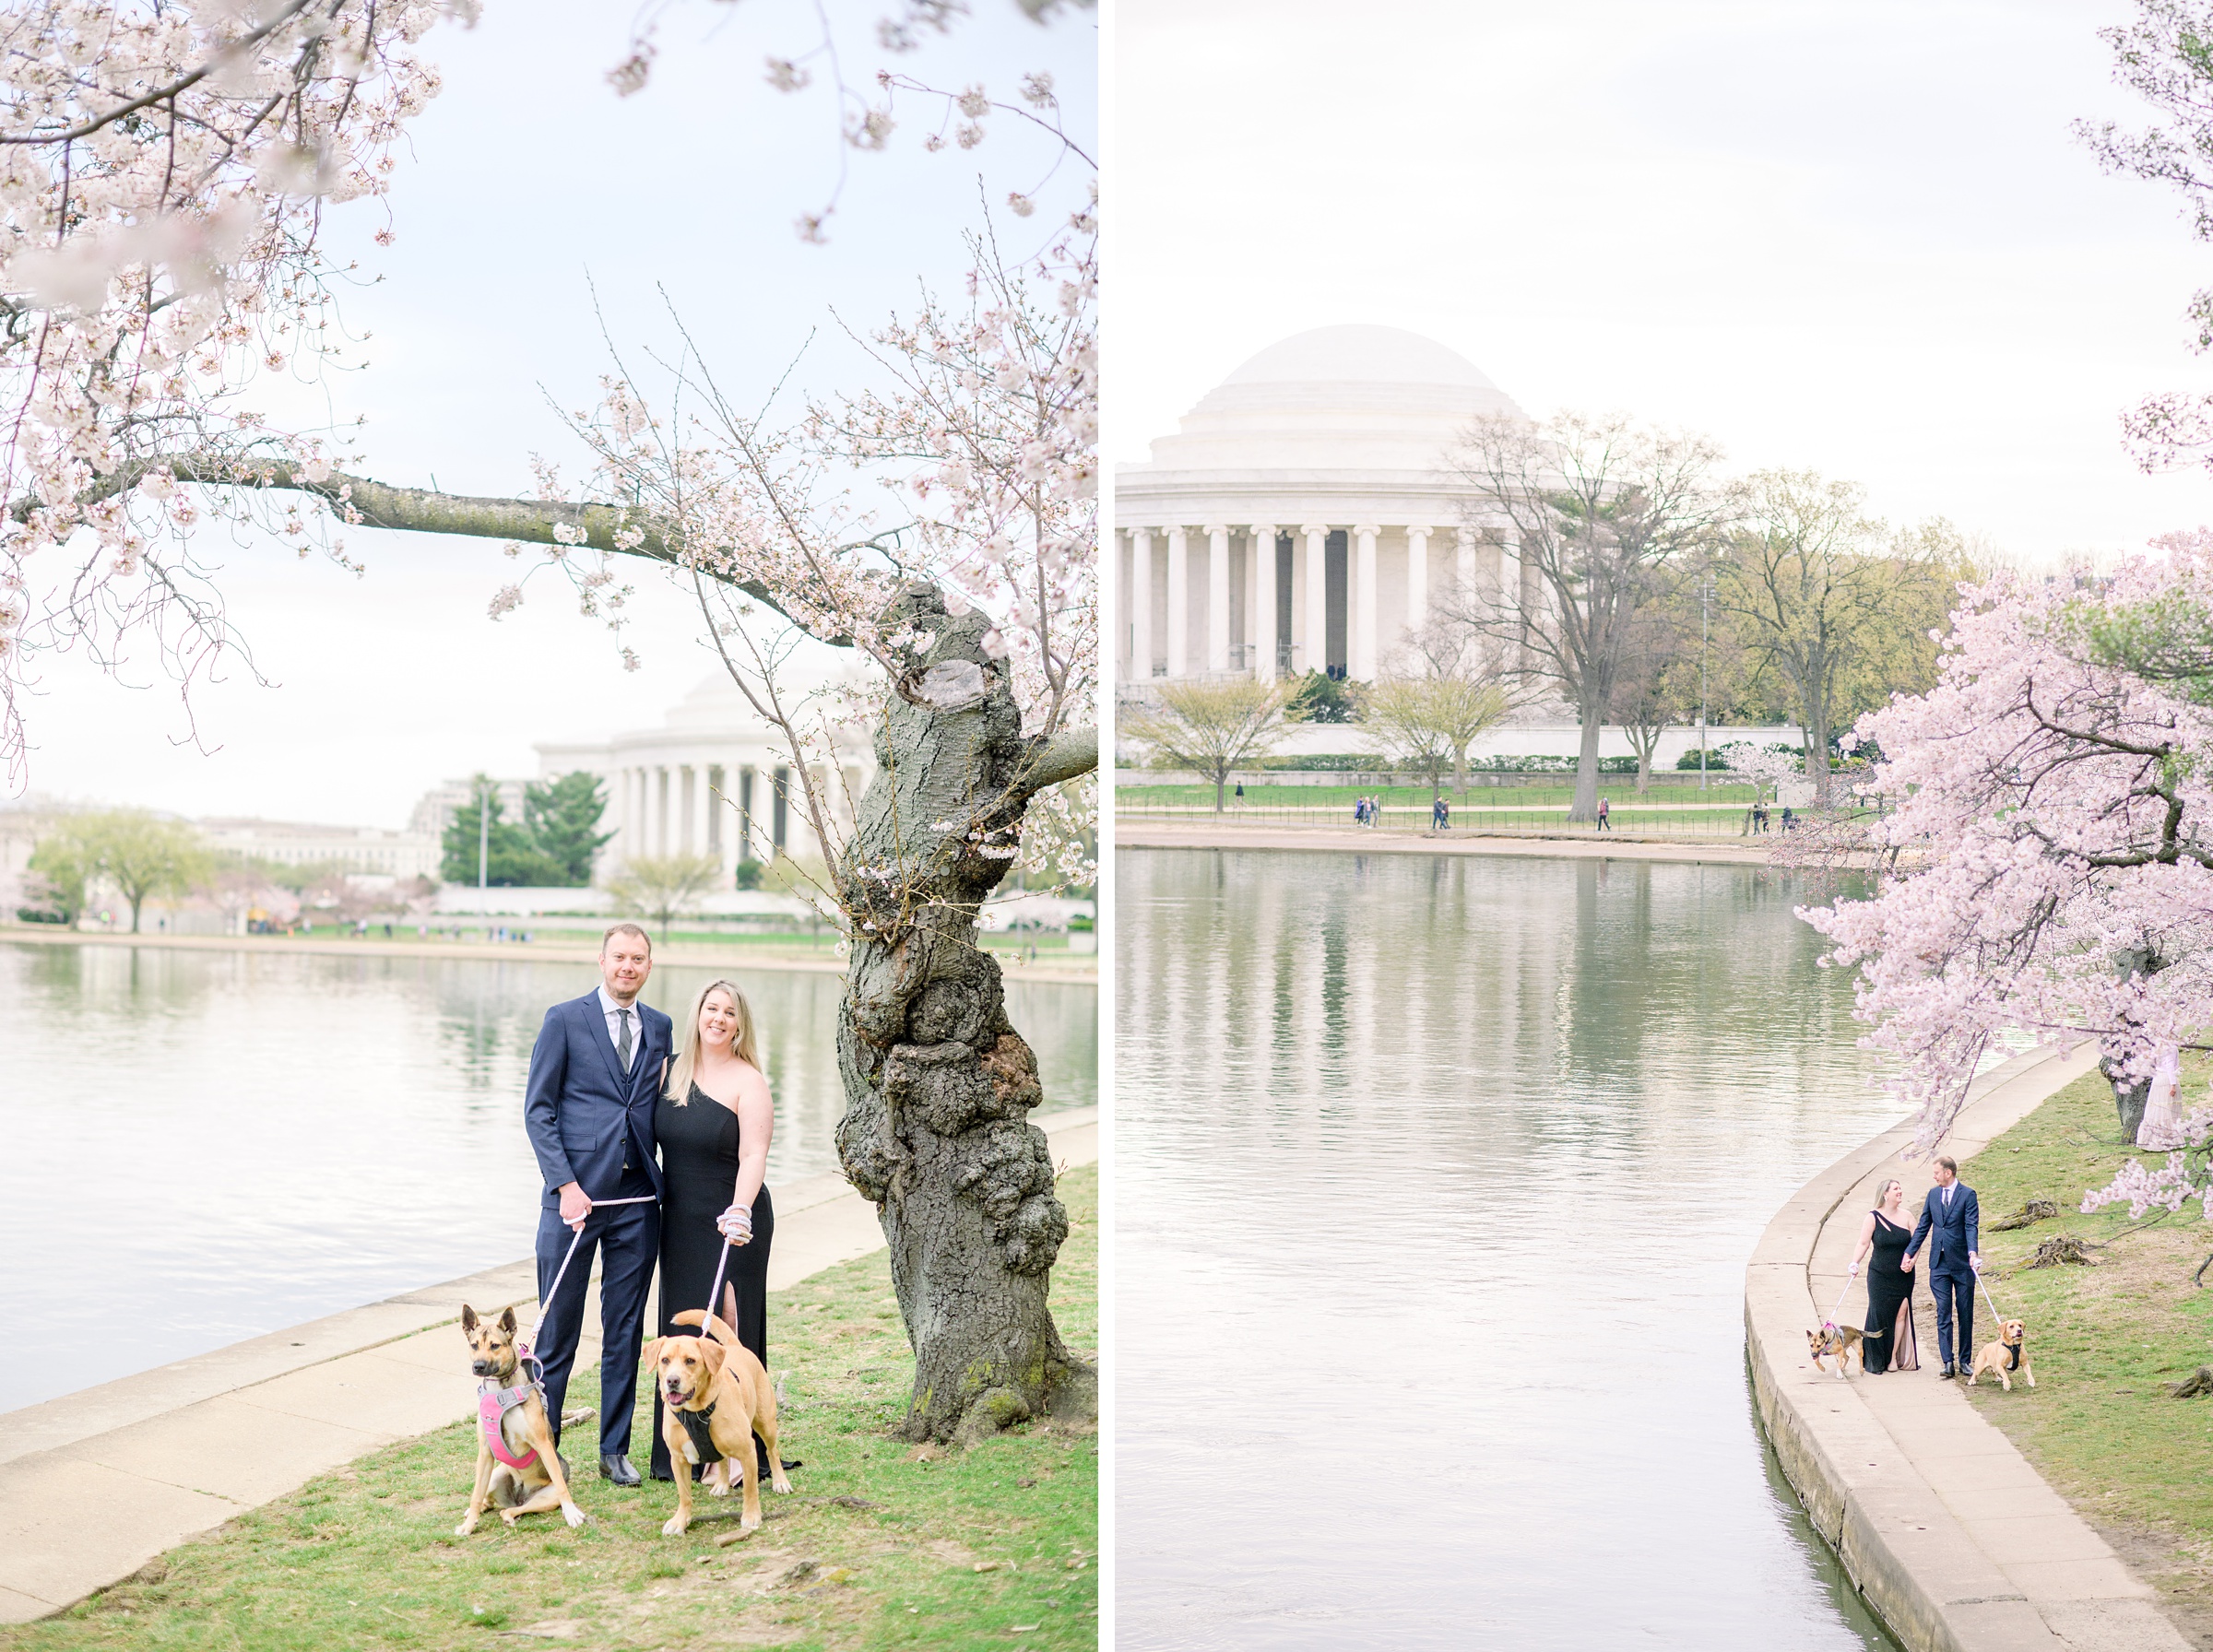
pixel 205 1146
pixel 1434 1180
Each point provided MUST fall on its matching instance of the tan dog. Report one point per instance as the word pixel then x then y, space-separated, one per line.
pixel 517 1469
pixel 716 1382
pixel 2008 1355
pixel 1838 1342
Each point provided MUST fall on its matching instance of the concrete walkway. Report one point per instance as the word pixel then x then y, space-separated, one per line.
pixel 1955 1541
pixel 1582 845
pixel 95 1484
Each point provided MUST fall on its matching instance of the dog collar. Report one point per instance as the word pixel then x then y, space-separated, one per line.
pixel 703 1436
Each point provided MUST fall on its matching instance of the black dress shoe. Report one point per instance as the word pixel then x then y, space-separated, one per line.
pixel 1947 1372
pixel 617 1468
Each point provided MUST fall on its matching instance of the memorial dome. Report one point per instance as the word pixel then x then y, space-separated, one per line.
pixel 1345 398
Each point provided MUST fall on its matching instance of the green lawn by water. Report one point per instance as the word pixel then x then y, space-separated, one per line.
pixel 997 1546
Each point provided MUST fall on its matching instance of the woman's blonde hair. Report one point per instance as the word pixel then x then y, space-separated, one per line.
pixel 1882 1193
pixel 745 1046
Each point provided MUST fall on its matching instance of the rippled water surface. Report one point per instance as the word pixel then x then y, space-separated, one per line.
pixel 1435 1183
pixel 203 1145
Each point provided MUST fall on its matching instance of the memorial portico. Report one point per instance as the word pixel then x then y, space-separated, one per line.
pixel 1305 515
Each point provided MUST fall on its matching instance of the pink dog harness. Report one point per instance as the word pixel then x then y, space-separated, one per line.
pixel 493 1406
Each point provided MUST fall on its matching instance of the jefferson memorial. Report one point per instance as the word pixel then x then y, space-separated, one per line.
pixel 1304 512
pixel 712 779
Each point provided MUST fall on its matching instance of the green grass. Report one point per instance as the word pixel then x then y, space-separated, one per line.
pixel 367 1556
pixel 2104 1339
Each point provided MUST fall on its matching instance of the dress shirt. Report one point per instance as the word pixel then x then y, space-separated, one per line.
pixel 614 1012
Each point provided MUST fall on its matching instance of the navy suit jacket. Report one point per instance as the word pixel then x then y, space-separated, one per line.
pixel 580 1106
pixel 1958 1230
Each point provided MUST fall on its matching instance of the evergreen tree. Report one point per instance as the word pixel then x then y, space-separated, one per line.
pixel 560 821
pixel 514 861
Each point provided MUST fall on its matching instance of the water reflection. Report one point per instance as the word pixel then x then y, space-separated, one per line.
pixel 1430 1287
pixel 211 1145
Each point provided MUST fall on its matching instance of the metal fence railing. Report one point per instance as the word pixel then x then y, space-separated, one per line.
pixel 1714 818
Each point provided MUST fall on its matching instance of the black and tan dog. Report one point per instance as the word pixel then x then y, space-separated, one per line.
pixel 2008 1355
pixel 517 1469
pixel 1838 1342
pixel 715 1397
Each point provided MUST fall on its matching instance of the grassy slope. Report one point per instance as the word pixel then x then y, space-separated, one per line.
pixel 367 1556
pixel 2098 1425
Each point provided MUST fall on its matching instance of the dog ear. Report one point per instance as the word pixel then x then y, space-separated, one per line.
pixel 651 1353
pixel 468 1320
pixel 507 1320
pixel 714 1353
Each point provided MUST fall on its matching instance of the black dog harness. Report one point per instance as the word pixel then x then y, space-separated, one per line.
pixel 2013 1356
pixel 703 1436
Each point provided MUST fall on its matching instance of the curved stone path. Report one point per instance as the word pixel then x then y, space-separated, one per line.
pixel 1955 1541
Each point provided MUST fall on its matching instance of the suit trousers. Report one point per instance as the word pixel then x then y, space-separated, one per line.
pixel 627 1239
pixel 1955 1294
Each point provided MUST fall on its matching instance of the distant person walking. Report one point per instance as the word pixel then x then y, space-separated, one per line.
pixel 1951 1223
pixel 1604 816
pixel 594 1078
pixel 1890 1329
pixel 1788 819
pixel 1440 815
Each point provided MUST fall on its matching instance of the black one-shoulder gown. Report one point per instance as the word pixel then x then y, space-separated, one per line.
pixel 699 1171
pixel 1889 1328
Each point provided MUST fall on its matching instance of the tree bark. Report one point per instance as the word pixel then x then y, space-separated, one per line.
pixel 938 1081
pixel 1585 807
pixel 2131 1096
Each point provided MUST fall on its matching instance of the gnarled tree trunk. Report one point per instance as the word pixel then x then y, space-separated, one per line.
pixel 937 1083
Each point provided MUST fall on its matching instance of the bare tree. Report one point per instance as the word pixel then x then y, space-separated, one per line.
pixel 663 887
pixel 1655 688
pixel 1601 518
pixel 1819 590
pixel 1428 723
pixel 1212 726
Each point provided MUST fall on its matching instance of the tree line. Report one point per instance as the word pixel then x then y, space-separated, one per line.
pixel 1620 576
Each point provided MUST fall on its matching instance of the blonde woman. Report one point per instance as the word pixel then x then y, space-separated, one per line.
pixel 1889 1328
pixel 713 1123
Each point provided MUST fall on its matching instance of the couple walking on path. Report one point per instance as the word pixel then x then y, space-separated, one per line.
pixel 1951 1223
pixel 621 1106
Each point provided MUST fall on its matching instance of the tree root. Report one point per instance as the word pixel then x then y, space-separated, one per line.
pixel 2036 1209
pixel 2064 1247
pixel 2190 1387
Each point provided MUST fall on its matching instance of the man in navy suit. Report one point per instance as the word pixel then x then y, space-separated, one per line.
pixel 1951 1215
pixel 595 1076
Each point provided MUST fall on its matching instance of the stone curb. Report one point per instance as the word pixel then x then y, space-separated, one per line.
pixel 95 1484
pixel 1957 1543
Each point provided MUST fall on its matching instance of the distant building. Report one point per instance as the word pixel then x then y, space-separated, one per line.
pixel 434 812
pixel 365 849
pixel 712 779
pixel 1306 513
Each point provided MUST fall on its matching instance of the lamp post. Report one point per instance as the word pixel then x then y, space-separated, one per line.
pixel 1705 591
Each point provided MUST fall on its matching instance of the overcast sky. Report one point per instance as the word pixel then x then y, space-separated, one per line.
pixel 529 175
pixel 1856 237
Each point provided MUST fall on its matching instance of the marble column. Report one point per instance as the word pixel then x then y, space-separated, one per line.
pixel 1315 581
pixel 1366 635
pixel 1179 603
pixel 1463 559
pixel 1141 603
pixel 1417 575
pixel 1217 596
pixel 1263 600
